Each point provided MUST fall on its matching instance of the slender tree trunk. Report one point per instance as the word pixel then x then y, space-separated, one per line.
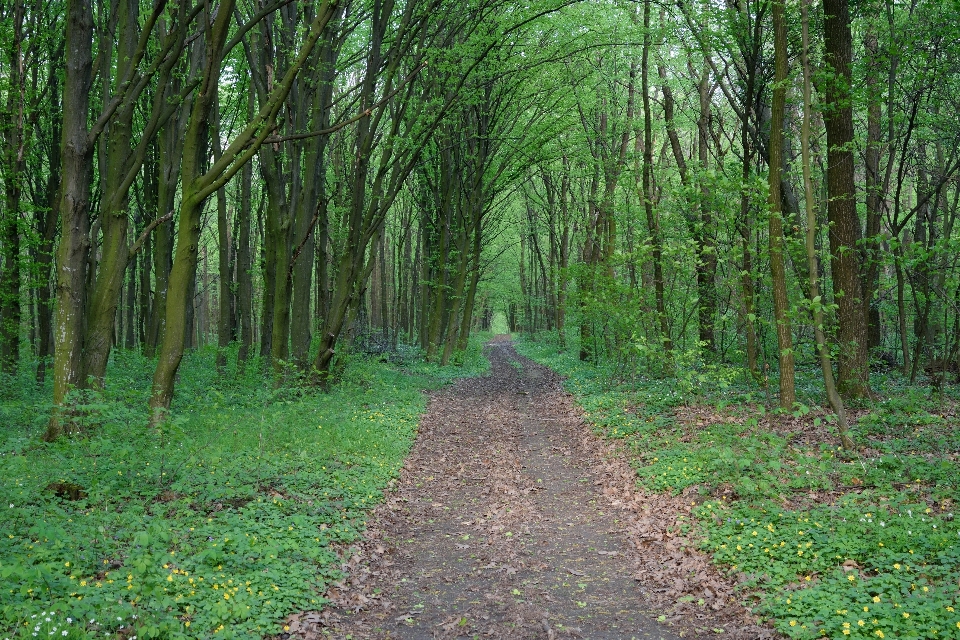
pixel 224 316
pixel 746 233
pixel 826 368
pixel 471 291
pixel 458 291
pixel 440 297
pixel 902 313
pixel 244 261
pixel 13 182
pixel 269 249
pixel 587 281
pixel 50 219
pixel 653 224
pixel 169 153
pixel 781 304
pixel 707 258
pixel 131 305
pixel 874 196
pixel 564 257
pixel 143 299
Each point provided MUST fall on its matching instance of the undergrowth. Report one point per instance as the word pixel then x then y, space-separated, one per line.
pixel 825 544
pixel 221 522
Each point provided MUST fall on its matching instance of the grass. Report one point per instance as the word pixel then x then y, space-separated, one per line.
pixel 824 544
pixel 220 523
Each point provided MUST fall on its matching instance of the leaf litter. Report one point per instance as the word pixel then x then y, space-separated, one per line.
pixel 512 519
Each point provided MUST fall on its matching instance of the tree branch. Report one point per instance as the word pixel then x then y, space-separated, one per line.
pixel 146 232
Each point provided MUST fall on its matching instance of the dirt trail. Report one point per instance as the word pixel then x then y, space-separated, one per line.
pixel 504 525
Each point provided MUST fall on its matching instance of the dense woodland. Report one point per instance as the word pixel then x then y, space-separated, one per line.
pixel 763 184
pixel 723 223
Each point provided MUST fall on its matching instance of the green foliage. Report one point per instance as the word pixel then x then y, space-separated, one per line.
pixel 865 564
pixel 223 520
pixel 868 547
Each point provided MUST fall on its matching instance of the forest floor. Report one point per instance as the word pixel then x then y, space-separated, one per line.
pixel 511 518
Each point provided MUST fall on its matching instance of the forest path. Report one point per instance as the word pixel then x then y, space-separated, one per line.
pixel 503 525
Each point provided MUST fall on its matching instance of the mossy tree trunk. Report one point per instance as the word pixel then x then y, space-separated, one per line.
pixel 197 184
pixel 77 149
pixel 781 303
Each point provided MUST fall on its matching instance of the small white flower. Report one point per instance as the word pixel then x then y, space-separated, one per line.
pixel 882 524
pixel 11 506
pixel 64 632
pixel 69 620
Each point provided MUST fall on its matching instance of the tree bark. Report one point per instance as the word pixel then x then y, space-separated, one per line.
pixel 653 224
pixel 13 182
pixel 873 189
pixel 707 258
pixel 224 315
pixel 77 149
pixel 842 209
pixel 816 303
pixel 244 261
pixel 781 304
pixel 114 217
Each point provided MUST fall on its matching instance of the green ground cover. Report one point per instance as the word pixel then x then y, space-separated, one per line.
pixel 825 544
pixel 223 521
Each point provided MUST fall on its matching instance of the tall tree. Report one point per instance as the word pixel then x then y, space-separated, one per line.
pixel 781 303
pixel 842 205
pixel 816 301
pixel 198 183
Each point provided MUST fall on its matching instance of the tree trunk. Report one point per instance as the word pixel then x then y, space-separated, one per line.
pixel 707 258
pixel 13 182
pixel 842 206
pixel 653 224
pixel 114 216
pixel 816 303
pixel 77 149
pixel 184 269
pixel 169 154
pixel 471 291
pixel 874 189
pixel 224 315
pixel 781 304
pixel 131 305
pixel 269 252
pixel 244 261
